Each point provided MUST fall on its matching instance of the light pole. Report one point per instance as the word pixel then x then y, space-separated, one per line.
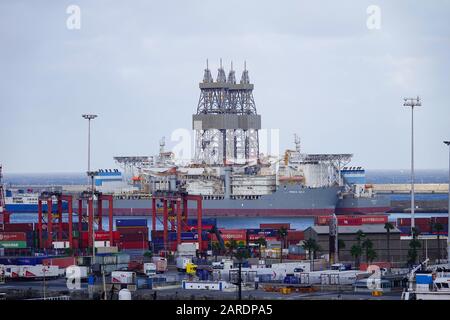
pixel 412 102
pixel 143 240
pixel 448 230
pixel 91 175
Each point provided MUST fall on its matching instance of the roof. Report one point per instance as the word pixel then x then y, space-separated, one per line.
pixel 366 228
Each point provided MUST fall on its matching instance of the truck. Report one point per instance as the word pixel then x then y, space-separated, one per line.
pixel 182 263
pixel 123 277
pixel 341 267
pixel 149 269
pixel 187 249
pixel 77 271
pixel 224 264
pixel 161 264
pixel 11 272
pixel 191 268
pixel 39 271
pixel 291 267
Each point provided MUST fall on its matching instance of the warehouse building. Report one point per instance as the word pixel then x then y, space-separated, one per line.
pixel 399 246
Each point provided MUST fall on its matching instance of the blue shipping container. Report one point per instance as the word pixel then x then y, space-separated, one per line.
pixel 424 279
pixel 206 222
pixel 131 223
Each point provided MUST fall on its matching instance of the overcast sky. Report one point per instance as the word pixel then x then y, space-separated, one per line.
pixel 318 71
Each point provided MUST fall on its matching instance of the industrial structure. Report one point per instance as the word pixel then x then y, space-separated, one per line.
pixel 226 122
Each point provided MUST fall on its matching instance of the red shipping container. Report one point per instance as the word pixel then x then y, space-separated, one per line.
pixel 236 234
pixel 132 230
pixel 102 236
pixel 295 236
pixel 274 225
pixel 18 227
pixel 296 256
pixel 349 221
pixel 62 262
pixel 4 217
pixel 369 219
pixel 13 236
pixel 133 237
pixel 133 245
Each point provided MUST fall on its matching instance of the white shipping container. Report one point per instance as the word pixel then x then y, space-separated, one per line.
pixel 123 277
pixel 182 262
pixel 149 269
pixel 102 244
pixel 39 271
pixel 61 244
pixel 11 271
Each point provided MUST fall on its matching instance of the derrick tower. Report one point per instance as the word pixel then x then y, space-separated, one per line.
pixel 226 123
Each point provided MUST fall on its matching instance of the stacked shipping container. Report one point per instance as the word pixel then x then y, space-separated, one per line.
pixel 426 226
pixel 353 220
pixel 133 234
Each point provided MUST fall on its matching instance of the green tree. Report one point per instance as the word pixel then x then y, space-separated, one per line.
pixel 282 233
pixel 341 246
pixel 312 247
pixel 356 252
pixel 357 249
pixel 232 246
pixel 388 226
pixel 242 254
pixel 261 242
pixel 371 255
pixel 215 249
pixel 367 245
pixel 414 245
pixel 438 227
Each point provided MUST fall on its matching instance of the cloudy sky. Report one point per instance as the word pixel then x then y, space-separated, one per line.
pixel 318 71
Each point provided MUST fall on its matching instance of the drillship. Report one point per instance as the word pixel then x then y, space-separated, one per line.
pixel 231 173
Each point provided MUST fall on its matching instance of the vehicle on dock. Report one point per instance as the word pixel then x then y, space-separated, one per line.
pixel 161 264
pixel 39 272
pixel 428 283
pixel 150 269
pixel 123 277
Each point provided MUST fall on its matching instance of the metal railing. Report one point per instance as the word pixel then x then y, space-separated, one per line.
pixel 52 298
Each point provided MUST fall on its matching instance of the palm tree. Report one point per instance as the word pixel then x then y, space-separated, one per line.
pixel 307 246
pixel 438 227
pixel 241 254
pixel 368 246
pixel 215 249
pixel 360 235
pixel 341 246
pixel 282 233
pixel 312 247
pixel 356 252
pixel 414 244
pixel 388 226
pixel 371 255
pixel 232 246
pixel 260 242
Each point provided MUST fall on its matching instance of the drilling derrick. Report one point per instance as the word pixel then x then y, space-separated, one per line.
pixel 226 122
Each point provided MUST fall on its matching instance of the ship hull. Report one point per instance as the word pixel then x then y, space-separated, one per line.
pixel 350 205
pixel 292 201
